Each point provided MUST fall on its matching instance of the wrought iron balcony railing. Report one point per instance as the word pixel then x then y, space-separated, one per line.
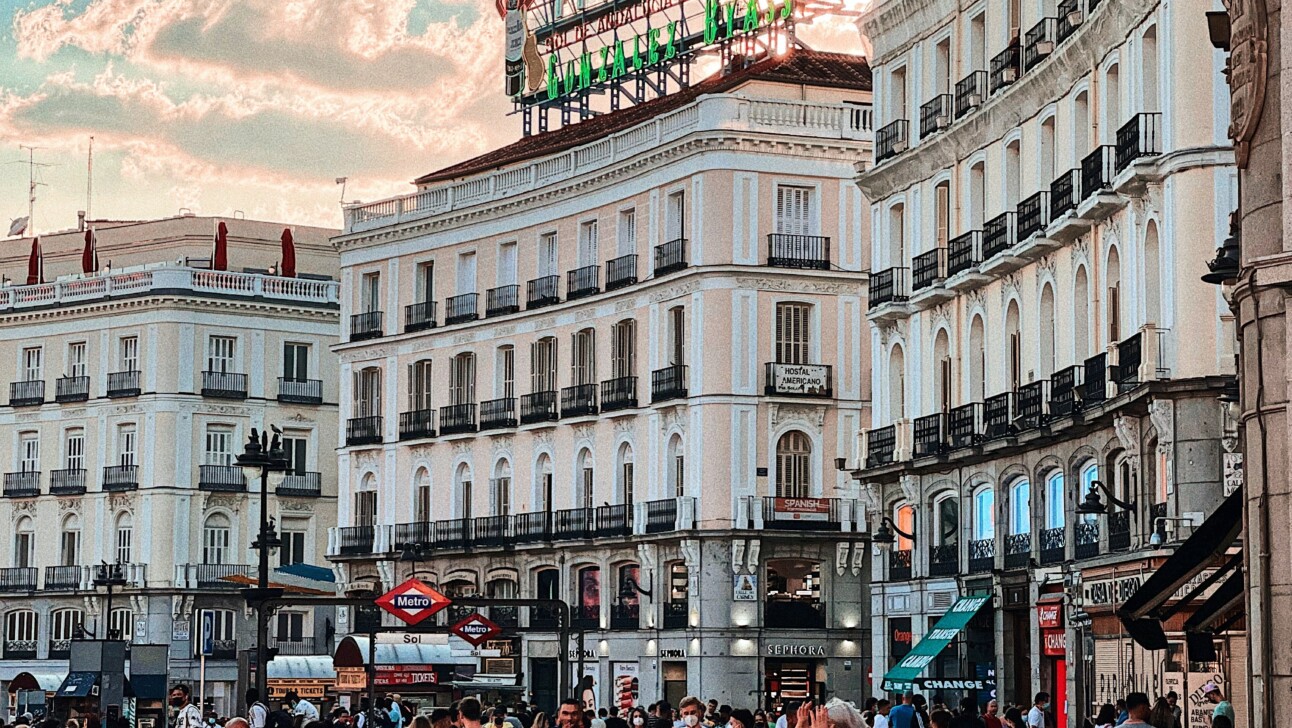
pixel 583 282
pixel 930 434
pixel 621 271
pixel 670 256
pixel 461 308
pixel 889 286
pixel 224 385
pixel 363 430
pixel 964 252
pixel 301 485
pixel 456 419
pixel 72 389
pixel 999 234
pixel 579 400
pixel 123 384
pixel 539 407
pixel 668 383
pixel 419 316
pixel 998 415
pixel 118 478
pixel 944 560
pixel 1052 545
pixel 502 300
pixel 899 565
pixel 982 555
pixel 366 325
pixel 1064 387
pixel 543 291
pixel 1139 137
pixel 928 269
pixel 70 481
pixel 22 484
pixel 1065 190
pixel 1006 67
pixel 417 424
pixel 1097 170
pixel 1039 42
pixel 300 391
pixel 798 251
pixel 1018 550
pixel 619 393
pixel 1033 215
pixel 1094 379
pixel 935 115
pixel 971 92
pixel 965 425
pixel 221 478
pixel 881 446
pixel 498 414
pixel 27 394
pixel 892 139
pixel 1086 540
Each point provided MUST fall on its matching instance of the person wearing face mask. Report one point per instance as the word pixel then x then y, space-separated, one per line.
pixel 691 712
pixel 637 718
pixel 187 715
pixel 1036 716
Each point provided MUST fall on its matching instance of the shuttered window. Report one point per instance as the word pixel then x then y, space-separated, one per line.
pixel 792 338
pixel 588 234
pixel 507 264
pixel 367 392
pixel 542 365
pixel 942 203
pixel 547 255
pixel 585 357
pixel 365 508
pixel 793 466
pixel 677 335
pixel 419 385
pixel 506 374
pixel 623 349
pixel 627 232
pixel 674 216
pixel 462 379
pixel 794 214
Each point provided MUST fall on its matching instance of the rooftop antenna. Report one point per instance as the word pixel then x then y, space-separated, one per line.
pixel 341 181
pixel 89 181
pixel 32 184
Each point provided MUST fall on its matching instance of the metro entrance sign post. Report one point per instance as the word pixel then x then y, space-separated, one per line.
pixel 476 629
pixel 413 601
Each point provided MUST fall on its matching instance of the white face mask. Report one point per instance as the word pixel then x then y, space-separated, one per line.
pixel 638 721
pixel 691 720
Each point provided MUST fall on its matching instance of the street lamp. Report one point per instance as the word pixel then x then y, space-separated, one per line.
pixel 884 537
pixel 1159 528
pixel 265 459
pixel 1094 506
pixel 109 575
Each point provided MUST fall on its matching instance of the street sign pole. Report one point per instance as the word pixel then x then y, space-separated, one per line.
pixel 208 647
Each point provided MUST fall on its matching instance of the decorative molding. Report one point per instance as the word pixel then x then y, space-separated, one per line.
pixel 220 500
pixel 1128 435
pixel 752 552
pixel 790 285
pixel 1081 253
pixel 1162 414
pixel 810 415
pixel 585 314
pixel 858 557
pixel 463 338
pixel 1011 284
pixel 942 316
pixel 1047 264
pixel 24 506
pixel 366 458
pixel 295 506
pixel 910 485
pixel 421 450
pixel 625 304
pixel 1246 70
pixel 72 505
pixel 547 322
pixel 501 331
pixel 134 409
pixel 676 291
pixel 502 445
pixel 118 502
pixel 977 297
pixel 214 409
pixel 737 555
pixel 366 354
pixel 625 426
pixel 301 418
pixel 462 447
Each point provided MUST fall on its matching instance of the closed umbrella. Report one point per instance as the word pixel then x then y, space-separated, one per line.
pixel 289 254
pixel 35 264
pixel 90 256
pixel 220 255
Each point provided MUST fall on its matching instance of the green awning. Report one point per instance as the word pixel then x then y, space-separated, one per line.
pixel 902 676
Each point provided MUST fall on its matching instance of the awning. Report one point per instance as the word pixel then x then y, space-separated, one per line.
pixel 903 675
pixel 309 571
pixel 78 685
pixel 353 652
pixel 47 681
pixel 484 687
pixel 312 581
pixel 1142 614
pixel 301 667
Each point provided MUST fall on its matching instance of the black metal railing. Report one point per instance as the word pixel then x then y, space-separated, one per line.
pixel 998 415
pixel 456 419
pixel 70 481
pixel 419 316
pixel 72 389
pixel 625 615
pixel 123 384
pixel 793 614
pixel 899 565
pixel 1052 545
pixel 928 268
pixel 935 115
pixel 221 478
pixel 668 383
pixel 676 614
pixel 301 485
pixel 63 578
pixel 1064 193
pixel 661 515
pixel 1139 137
pixel 1119 530
pixel 221 576
pixel 27 394
pixel 117 478
pixel 543 291
pixel 366 325
pixel 892 139
pixel 417 424
pixel 363 430
pixel 355 540
pixel 889 286
pixel 23 484
pixel 1029 404
pixel 614 520
pixel 964 252
pixel 1064 385
pixel 1085 543
pixel 498 414
pixel 1070 18
pixel 538 407
pixel 971 92
pixel 670 256
pixel 982 555
pixel 18 579
pixel 224 385
pixel 930 434
pixel 965 425
pixel 1018 550
pixel 586 617
pixel 461 308
pixel 583 282
pixel 944 560
pixel 999 234
pixel 810 252
pixel 579 400
pixel 573 523
pixel 1130 353
pixel 1033 215
pixel 1039 42
pixel 1097 170
pixel 881 446
pixel 1094 381
pixel 619 393
pixel 502 300
pixel 1006 67
pixel 300 391
pixel 621 271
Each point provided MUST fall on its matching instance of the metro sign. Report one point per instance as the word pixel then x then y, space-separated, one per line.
pixel 476 629
pixel 413 601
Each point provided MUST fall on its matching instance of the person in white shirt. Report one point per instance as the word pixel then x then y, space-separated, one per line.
pixel 305 708
pixel 1036 716
pixel 188 715
pixel 257 713
pixel 881 713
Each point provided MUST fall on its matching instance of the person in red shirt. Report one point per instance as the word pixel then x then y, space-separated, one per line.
pixel 989 714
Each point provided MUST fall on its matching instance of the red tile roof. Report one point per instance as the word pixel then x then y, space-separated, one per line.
pixel 799 66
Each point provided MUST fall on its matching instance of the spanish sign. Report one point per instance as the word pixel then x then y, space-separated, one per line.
pixel 413 601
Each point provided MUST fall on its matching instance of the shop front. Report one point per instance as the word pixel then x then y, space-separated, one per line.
pixel 310 676
pixel 424 673
pixel 807 669
pixel 909 672
pixel 1054 653
pixel 32 692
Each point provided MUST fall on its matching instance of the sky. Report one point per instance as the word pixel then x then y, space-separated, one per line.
pixel 251 106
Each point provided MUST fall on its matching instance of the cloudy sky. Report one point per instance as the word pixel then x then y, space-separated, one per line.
pixel 251 105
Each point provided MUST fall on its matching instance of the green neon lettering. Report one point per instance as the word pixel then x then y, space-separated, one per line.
pixel 652 46
pixel 552 78
pixel 731 19
pixel 787 9
pixel 570 78
pixel 585 70
pixel 670 51
pixel 637 52
pixel 605 64
pixel 751 17
pixel 770 16
pixel 711 10
pixel 620 65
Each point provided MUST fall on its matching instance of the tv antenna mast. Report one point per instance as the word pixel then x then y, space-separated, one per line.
pixel 32 184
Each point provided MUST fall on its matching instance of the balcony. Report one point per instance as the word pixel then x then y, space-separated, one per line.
pixel 72 389
pixel 1086 542
pixel 1052 546
pixel 982 555
pixel 491 531
pixel 621 272
pixel 417 424
pixel 538 407
pixel 1130 354
pixel 789 613
pixel 67 482
pixel 625 616
pixel 1064 386
pixel 363 430
pixel 544 291
pixel 964 252
pixel 892 140
pixel 971 92
pixel 461 308
pixel 221 479
pixel 305 646
pixel 301 485
pixel 935 115
pixel 498 414
pixel 502 301
pixel 1018 550
pixel 1071 16
pixel 965 425
pixel 119 478
pixel 1006 67
pixel 619 393
pixel 930 435
pixel 889 286
pixel 366 325
pixel 224 385
pixel 1140 137
pixel 928 269
pixel 355 540
pixel 998 416
pixel 881 446
pixel 17 579
pixel 123 384
pixel 456 419
pixel 944 560
pixel 220 576
pixel 583 282
pixel 300 391
pixel 579 400
pixel 573 523
pixel 1029 404
pixel 676 615
pixel 668 383
pixel 1119 530
pixel 670 256
pixel 63 578
pixel 1094 383
pixel 1039 42
pixel 1064 193
pixel 899 565
pixel 23 484
pixel 999 234
pixel 798 380
pixel 661 515
pixel 27 394
pixel 808 252
pixel 614 521
pixel 1033 215
pixel 419 316
pixel 585 617
pixel 1097 171
pixel 801 514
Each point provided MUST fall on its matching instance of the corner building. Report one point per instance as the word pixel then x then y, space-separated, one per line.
pixel 614 364
pixel 1048 179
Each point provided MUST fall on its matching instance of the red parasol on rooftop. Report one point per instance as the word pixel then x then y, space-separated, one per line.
pixel 35 264
pixel 90 255
pixel 289 255
pixel 220 254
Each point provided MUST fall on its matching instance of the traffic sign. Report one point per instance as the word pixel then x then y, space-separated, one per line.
pixel 476 629
pixel 413 601
pixel 208 633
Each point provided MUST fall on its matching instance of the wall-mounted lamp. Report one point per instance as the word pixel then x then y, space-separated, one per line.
pixel 884 537
pixel 841 463
pixel 1094 506
pixel 1218 29
pixel 1224 267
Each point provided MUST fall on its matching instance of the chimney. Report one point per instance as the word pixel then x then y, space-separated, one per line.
pixel 80 221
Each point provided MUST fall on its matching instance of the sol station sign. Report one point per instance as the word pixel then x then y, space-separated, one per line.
pixel 476 629
pixel 413 601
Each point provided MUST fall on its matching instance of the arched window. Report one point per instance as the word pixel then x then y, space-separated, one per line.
pixel 64 625
pixel 121 625
pixel 897 235
pixel 977 360
pixel 1148 71
pixel 942 212
pixel 1047 330
pixel 69 541
pixel 460 586
pixel 543 482
pixel 24 544
pixel 904 517
pixel 942 385
pixel 626 485
pixel 1081 126
pixel 1014 339
pixel 946 520
pixel 1112 302
pixel 1081 314
pixel 676 466
pixel 500 489
pixel 216 547
pixel 464 491
pixel 1152 277
pixel 626 600
pixel 585 497
pixel 896 384
pixel 794 465
pixel 1054 500
pixel 1013 170
pixel 1046 154
pixel 1020 506
pixel 503 588
pixel 422 496
pixel 589 596
pixel 984 513
pixel 125 538
pixel 20 634
pixel 1112 120
pixel 977 196
pixel 365 501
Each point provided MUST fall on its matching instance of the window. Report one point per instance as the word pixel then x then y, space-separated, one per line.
pixel 69 542
pixel 290 627
pixel 29 452
pixel 20 627
pixel 978 43
pixel 507 263
pixel 793 340
pixel 126 443
pixel 462 379
pixel 1088 473
pixel 219 445
pixel 33 364
pixel 897 94
pixel 977 360
pixel 424 286
pixel 896 384
pixel 500 489
pixel 128 353
pixel 220 351
pixel 367 392
pixel 422 497
pixel 466 494
pixel 293 549
pixel 74 449
pixel 584 357
pixel 24 544
pixel 419 385
pixel 296 361
pixel 676 466
pixel 125 538
pixel 1054 497
pixel 215 539
pixel 589 592
pixel 1020 506
pixel 897 235
pixel 1112 117
pixel 675 216
pixel 627 232
pixel 677 335
pixel 1081 314
pixel 586 497
pixel 588 235
pixel 947 521
pixel 542 363
pixel 466 272
pixel 794 466
pixel 505 380
pixel 547 246
pixel 984 506
pixel 623 349
pixel 1114 297
pixel 794 211
pixel 942 385
pixel 544 471
pixel 121 625
pixel 370 292
pixel 1047 151
pixel 977 196
pixel 626 474
pixel 1046 344
pixel 76 359
pixel 904 517
pixel 942 213
pixel 1012 171
pixel 296 447
pixel 365 504
pixel 65 624
pixel 1015 341
pixel 942 67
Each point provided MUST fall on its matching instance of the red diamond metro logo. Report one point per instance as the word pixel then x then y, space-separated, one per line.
pixel 413 601
pixel 476 629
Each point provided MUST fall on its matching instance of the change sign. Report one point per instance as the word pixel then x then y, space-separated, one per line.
pixel 413 601
pixel 476 629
